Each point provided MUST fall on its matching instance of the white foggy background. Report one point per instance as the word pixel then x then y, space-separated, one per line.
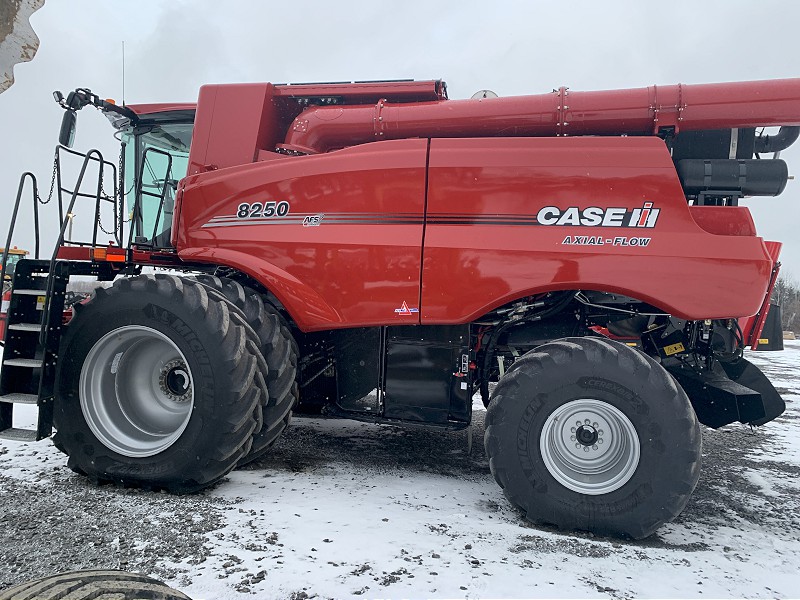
pixel 509 47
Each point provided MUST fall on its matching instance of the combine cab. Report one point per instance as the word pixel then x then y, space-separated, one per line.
pixel 377 251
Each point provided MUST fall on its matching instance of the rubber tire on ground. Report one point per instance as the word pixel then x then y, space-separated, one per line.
pixel 280 353
pixel 93 585
pixel 559 372
pixel 224 360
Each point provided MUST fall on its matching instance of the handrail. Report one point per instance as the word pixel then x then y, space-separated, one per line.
pixel 13 223
pixel 118 226
pixel 75 193
pixel 93 156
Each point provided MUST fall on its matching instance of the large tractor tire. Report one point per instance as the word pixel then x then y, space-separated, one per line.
pixel 280 353
pixel 589 434
pixel 93 585
pixel 159 385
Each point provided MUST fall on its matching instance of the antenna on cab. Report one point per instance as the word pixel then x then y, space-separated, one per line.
pixel 123 72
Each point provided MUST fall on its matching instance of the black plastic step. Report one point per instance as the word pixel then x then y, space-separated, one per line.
pixel 18 435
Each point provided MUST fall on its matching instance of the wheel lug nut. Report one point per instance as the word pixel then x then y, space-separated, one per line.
pixel 577 446
pixel 587 422
pixel 594 447
pixel 600 441
pixel 595 425
pixel 572 437
pixel 572 430
pixel 578 423
pixel 586 448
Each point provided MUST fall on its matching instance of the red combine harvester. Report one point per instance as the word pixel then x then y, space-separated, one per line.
pixel 376 251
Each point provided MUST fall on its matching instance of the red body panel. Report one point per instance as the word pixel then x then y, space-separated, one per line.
pixel 754 325
pixel 237 134
pixel 354 266
pixel 471 268
pixel 483 244
pixel 236 123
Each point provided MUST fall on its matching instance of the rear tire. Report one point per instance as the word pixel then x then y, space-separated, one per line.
pixel 589 434
pixel 159 386
pixel 280 353
pixel 93 585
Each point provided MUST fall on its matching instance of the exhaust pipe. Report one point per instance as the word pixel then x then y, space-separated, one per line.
pixel 641 111
pixel 785 137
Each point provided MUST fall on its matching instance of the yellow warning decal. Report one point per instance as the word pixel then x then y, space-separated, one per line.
pixel 40 302
pixel 763 341
pixel 673 349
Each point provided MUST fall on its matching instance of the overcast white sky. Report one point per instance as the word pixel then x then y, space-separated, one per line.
pixel 510 47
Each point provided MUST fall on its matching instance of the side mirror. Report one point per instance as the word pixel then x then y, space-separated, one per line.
pixel 67 133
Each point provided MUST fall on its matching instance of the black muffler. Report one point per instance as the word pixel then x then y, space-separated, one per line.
pixel 749 177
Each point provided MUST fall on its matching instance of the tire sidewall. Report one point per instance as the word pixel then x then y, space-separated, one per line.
pixel 665 440
pixel 170 319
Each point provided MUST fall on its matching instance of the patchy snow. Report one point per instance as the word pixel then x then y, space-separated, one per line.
pixel 343 509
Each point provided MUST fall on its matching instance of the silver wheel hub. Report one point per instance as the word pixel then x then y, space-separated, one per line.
pixel 590 446
pixel 136 391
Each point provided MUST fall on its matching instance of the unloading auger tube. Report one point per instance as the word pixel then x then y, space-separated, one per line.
pixel 563 112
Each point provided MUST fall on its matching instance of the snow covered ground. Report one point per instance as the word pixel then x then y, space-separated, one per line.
pixel 343 509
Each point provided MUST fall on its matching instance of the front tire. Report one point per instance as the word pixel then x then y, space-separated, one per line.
pixel 158 386
pixel 589 434
pixel 280 353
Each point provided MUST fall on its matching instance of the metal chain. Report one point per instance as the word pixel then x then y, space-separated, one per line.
pixel 103 229
pixel 124 193
pixel 52 182
pixel 118 186
pixel 104 195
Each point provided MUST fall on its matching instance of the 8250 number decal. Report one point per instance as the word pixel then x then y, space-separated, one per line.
pixel 256 210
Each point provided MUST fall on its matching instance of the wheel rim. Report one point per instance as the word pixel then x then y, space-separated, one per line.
pixel 136 391
pixel 590 446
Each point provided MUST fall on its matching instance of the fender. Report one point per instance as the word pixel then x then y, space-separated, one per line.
pixel 306 307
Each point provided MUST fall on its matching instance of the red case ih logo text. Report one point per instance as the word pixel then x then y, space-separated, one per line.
pixel 594 216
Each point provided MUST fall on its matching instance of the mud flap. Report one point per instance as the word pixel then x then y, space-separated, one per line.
pixel 747 374
pixel 733 391
pixel 771 337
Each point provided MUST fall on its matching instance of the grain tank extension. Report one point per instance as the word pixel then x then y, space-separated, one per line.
pixel 377 251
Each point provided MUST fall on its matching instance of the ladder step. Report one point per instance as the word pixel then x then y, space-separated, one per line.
pixel 17 398
pixel 33 363
pixel 30 292
pixel 25 327
pixel 18 435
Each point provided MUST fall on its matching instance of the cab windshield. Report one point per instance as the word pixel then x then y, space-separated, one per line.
pixel 156 158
